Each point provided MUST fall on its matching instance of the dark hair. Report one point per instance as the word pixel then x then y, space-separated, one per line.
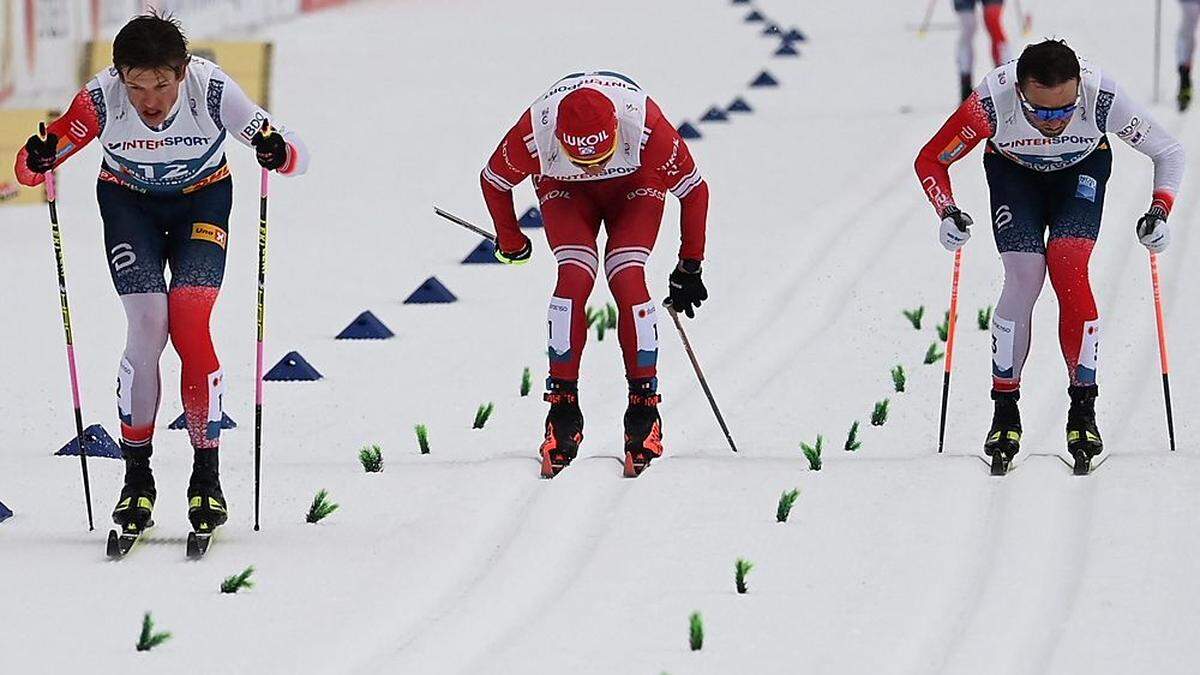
pixel 151 41
pixel 1050 63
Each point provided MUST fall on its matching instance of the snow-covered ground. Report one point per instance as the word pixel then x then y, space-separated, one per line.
pixel 895 560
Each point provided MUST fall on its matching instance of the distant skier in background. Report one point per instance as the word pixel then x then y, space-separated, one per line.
pixel 600 150
pixel 1185 49
pixel 165 194
pixel 968 20
pixel 1047 162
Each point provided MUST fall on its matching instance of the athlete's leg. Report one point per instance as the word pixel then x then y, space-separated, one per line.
pixel 993 19
pixel 572 223
pixel 632 229
pixel 1185 42
pixel 1074 226
pixel 135 242
pixel 1018 217
pixel 967 24
pixel 198 241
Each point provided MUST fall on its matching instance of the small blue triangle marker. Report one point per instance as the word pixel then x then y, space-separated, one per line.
pixel 531 218
pixel 739 105
pixel 755 16
pixel 366 327
pixel 772 29
pixel 429 292
pixel 5 512
pixel 764 79
pixel 181 422
pixel 715 114
pixel 794 35
pixel 689 132
pixel 786 49
pixel 96 443
pixel 292 368
pixel 741 2
pixel 484 254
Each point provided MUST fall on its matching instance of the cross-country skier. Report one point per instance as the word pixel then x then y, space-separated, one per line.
pixel 1185 49
pixel 600 150
pixel 1047 163
pixel 165 193
pixel 968 22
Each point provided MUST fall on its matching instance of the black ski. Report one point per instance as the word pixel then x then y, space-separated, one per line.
pixel 1083 463
pixel 197 545
pixel 1001 463
pixel 119 543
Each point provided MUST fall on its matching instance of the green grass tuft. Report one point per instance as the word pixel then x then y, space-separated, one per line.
pixel 592 315
pixel 371 457
pixel 915 315
pixel 985 318
pixel 787 500
pixel 852 442
pixel 482 414
pixel 880 413
pixel 422 438
pixel 696 631
pixel 321 507
pixel 943 328
pixel 526 382
pixel 610 317
pixel 149 639
pixel 933 354
pixel 741 569
pixel 813 453
pixel 898 378
pixel 239 581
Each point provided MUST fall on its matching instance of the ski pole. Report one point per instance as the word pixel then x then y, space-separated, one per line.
pixel 687 346
pixel 263 192
pixel 52 201
pixel 459 221
pixel 949 346
pixel 1162 346
pixel 924 27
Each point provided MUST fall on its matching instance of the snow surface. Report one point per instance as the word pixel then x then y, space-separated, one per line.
pixel 896 560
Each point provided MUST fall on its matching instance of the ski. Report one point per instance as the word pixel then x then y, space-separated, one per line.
pixel 1083 463
pixel 1001 463
pixel 197 545
pixel 119 543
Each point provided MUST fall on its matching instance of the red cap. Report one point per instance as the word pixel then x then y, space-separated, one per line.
pixel 587 126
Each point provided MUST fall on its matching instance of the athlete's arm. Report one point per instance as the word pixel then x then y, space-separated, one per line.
pixel 668 154
pixel 1133 124
pixel 75 129
pixel 243 118
pixel 513 160
pixel 969 125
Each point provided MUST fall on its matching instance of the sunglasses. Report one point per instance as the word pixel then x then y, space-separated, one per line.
pixel 1048 114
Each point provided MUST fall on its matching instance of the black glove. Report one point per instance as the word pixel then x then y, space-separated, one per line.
pixel 518 257
pixel 41 153
pixel 271 149
pixel 687 290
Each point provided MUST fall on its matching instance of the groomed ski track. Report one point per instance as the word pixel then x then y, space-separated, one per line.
pixel 895 560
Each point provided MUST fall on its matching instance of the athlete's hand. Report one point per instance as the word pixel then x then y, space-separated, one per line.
pixel 517 257
pixel 271 149
pixel 687 289
pixel 1152 231
pixel 956 228
pixel 40 153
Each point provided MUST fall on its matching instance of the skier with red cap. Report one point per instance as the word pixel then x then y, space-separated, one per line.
pixel 601 151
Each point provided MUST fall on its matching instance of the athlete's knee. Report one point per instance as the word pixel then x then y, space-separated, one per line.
pixel 993 19
pixel 189 310
pixel 625 268
pixel 577 267
pixel 1067 259
pixel 146 315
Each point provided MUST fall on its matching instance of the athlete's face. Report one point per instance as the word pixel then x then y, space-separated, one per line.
pixel 1058 97
pixel 152 91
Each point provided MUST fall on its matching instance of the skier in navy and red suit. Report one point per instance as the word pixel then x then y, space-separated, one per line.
pixel 601 151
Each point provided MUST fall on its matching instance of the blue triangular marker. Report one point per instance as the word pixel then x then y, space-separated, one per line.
pixel 794 35
pixel 755 16
pixel 5 512
pixel 689 132
pixel 741 2
pixel 484 254
pixel 366 327
pixel 96 443
pixel 715 114
pixel 292 368
pixel 531 218
pixel 181 422
pixel 786 49
pixel 772 29
pixel 739 105
pixel 432 291
pixel 764 79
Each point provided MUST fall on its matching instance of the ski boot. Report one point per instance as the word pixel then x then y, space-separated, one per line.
pixel 643 427
pixel 965 86
pixel 206 502
pixel 136 503
pixel 1185 88
pixel 1004 438
pixel 1083 438
pixel 564 427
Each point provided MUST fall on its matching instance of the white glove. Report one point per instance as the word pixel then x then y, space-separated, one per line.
pixel 1153 232
pixel 956 228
